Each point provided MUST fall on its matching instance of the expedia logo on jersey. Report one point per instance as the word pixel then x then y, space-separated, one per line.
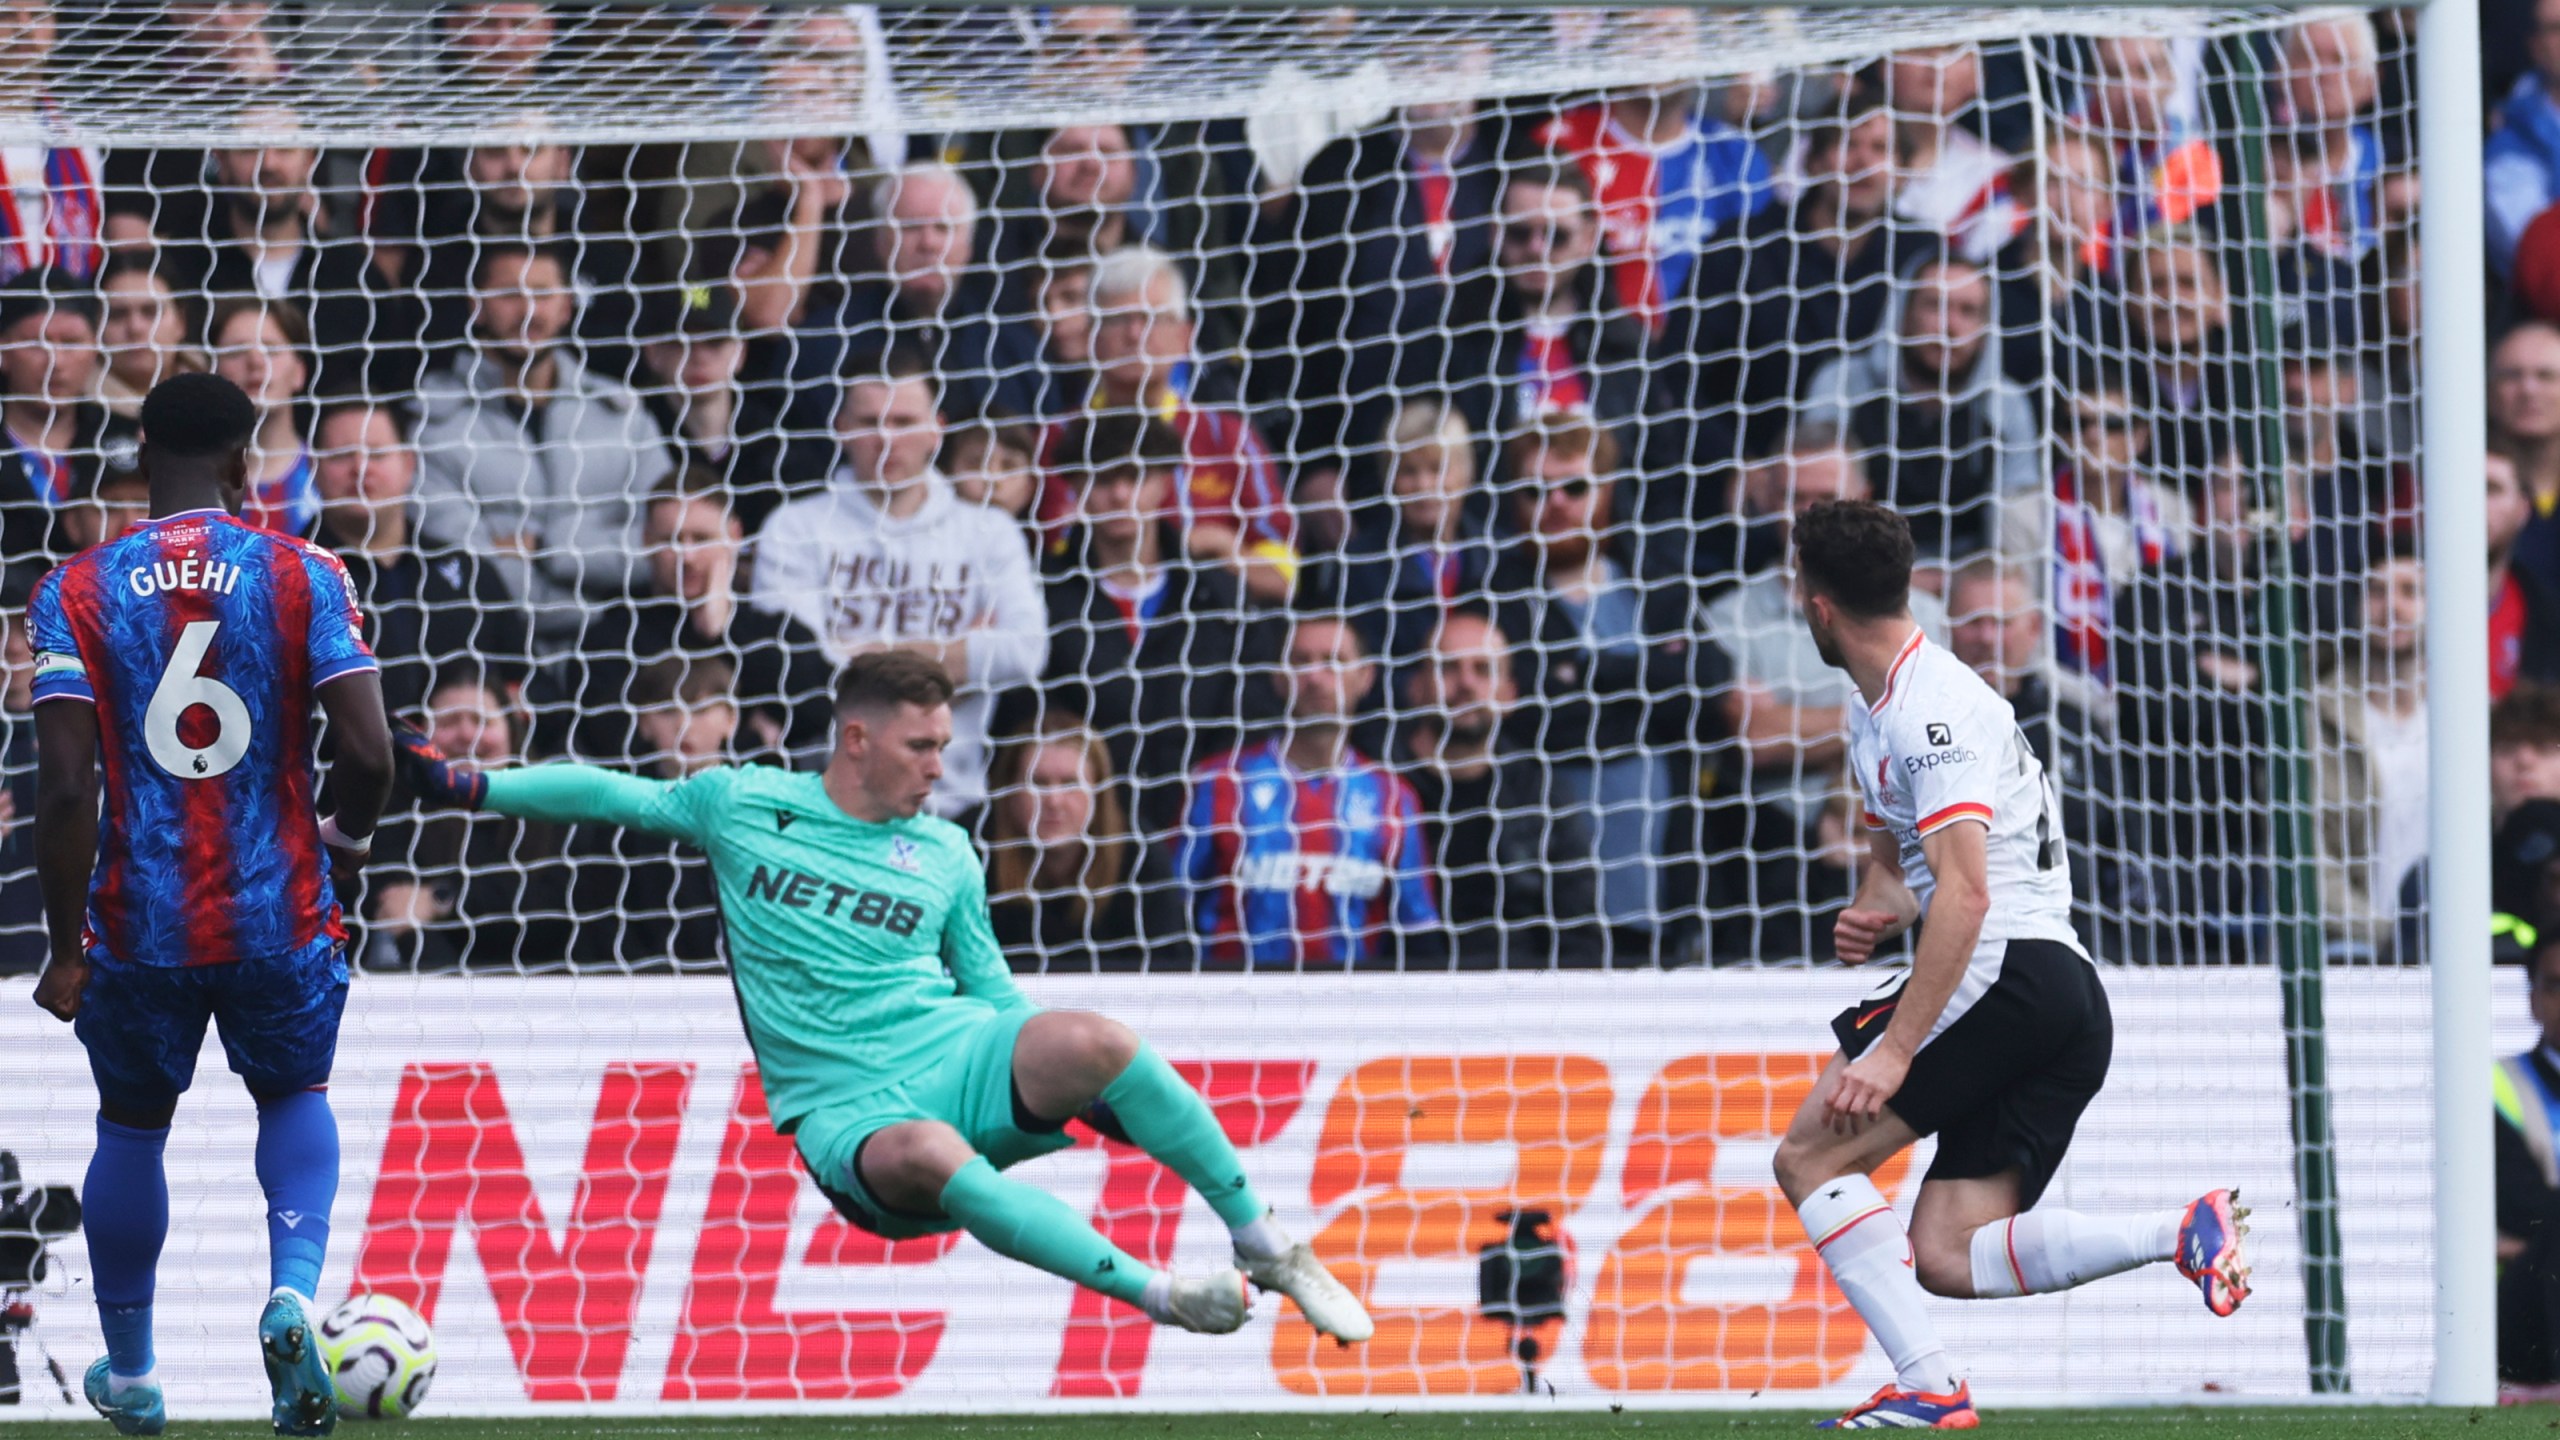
pixel 1935 758
pixel 1333 874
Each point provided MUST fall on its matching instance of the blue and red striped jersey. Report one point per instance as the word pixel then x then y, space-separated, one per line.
pixel 1288 868
pixel 202 642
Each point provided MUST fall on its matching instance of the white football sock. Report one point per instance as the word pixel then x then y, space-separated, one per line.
pixel 1261 1240
pixel 2048 1250
pixel 1857 1234
pixel 119 1386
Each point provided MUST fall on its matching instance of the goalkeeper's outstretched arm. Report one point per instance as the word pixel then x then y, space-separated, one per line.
pixel 562 792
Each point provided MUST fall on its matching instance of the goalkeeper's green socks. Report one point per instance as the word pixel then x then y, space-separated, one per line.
pixel 1035 1227
pixel 1164 1116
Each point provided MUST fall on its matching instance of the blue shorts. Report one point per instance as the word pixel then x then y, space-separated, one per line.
pixel 143 1024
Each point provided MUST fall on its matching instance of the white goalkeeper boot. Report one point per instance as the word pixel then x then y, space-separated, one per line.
pixel 1213 1304
pixel 1327 1303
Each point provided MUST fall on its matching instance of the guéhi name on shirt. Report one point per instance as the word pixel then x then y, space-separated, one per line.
pixel 187 574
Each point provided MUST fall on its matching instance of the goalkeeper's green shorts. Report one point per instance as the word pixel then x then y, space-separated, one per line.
pixel 971 1091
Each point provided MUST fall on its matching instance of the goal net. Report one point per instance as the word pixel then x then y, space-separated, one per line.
pixel 1347 459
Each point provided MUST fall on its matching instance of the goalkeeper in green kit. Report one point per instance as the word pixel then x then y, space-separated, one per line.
pixel 895 1049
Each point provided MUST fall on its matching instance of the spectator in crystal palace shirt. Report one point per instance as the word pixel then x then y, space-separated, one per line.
pixel 1156 652
pixel 1667 179
pixel 1300 852
pixel 2521 157
pixel 2104 522
pixel 54 439
pixel 2524 611
pixel 688 609
pixel 1954 185
pixel 50 205
pixel 1426 546
pixel 1234 509
pixel 2331 169
pixel 1805 283
pixel 262 346
pixel 1375 277
pixel 149 334
pixel 426 606
pixel 1561 346
pixel 1520 886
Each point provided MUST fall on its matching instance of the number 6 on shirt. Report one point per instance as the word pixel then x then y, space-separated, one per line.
pixel 181 688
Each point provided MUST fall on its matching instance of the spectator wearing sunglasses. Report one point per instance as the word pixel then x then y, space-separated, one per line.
pixel 1559 347
pixel 1602 659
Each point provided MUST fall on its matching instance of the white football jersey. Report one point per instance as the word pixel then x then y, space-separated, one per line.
pixel 1942 748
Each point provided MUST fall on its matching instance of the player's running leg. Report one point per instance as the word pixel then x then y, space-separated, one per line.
pixel 124 1212
pixel 1824 1171
pixel 1072 1063
pixel 924 1166
pixel 298 1170
pixel 2049 1249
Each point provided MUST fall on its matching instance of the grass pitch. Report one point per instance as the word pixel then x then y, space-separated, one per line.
pixel 2326 1423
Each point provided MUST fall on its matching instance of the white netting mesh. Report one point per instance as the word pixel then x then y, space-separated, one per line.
pixel 616 347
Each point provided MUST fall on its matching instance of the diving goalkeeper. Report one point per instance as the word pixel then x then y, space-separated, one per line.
pixel 895 1050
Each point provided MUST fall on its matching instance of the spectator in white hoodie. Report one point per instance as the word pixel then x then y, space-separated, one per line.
pixel 889 557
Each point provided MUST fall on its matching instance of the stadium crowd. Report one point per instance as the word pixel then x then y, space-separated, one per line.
pixel 1365 548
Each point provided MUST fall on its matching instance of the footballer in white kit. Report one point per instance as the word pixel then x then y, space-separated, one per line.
pixel 1997 1035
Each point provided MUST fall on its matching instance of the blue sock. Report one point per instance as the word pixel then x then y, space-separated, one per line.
pixel 298 1168
pixel 124 1210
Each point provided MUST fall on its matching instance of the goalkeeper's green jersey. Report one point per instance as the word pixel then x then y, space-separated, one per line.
pixel 861 952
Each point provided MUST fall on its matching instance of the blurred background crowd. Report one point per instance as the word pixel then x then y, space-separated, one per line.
pixel 1361 534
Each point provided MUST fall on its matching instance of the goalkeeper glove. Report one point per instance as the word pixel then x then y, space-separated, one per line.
pixel 434 779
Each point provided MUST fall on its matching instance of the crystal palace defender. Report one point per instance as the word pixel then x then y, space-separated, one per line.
pixel 894 1047
pixel 1996 1037
pixel 183 661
